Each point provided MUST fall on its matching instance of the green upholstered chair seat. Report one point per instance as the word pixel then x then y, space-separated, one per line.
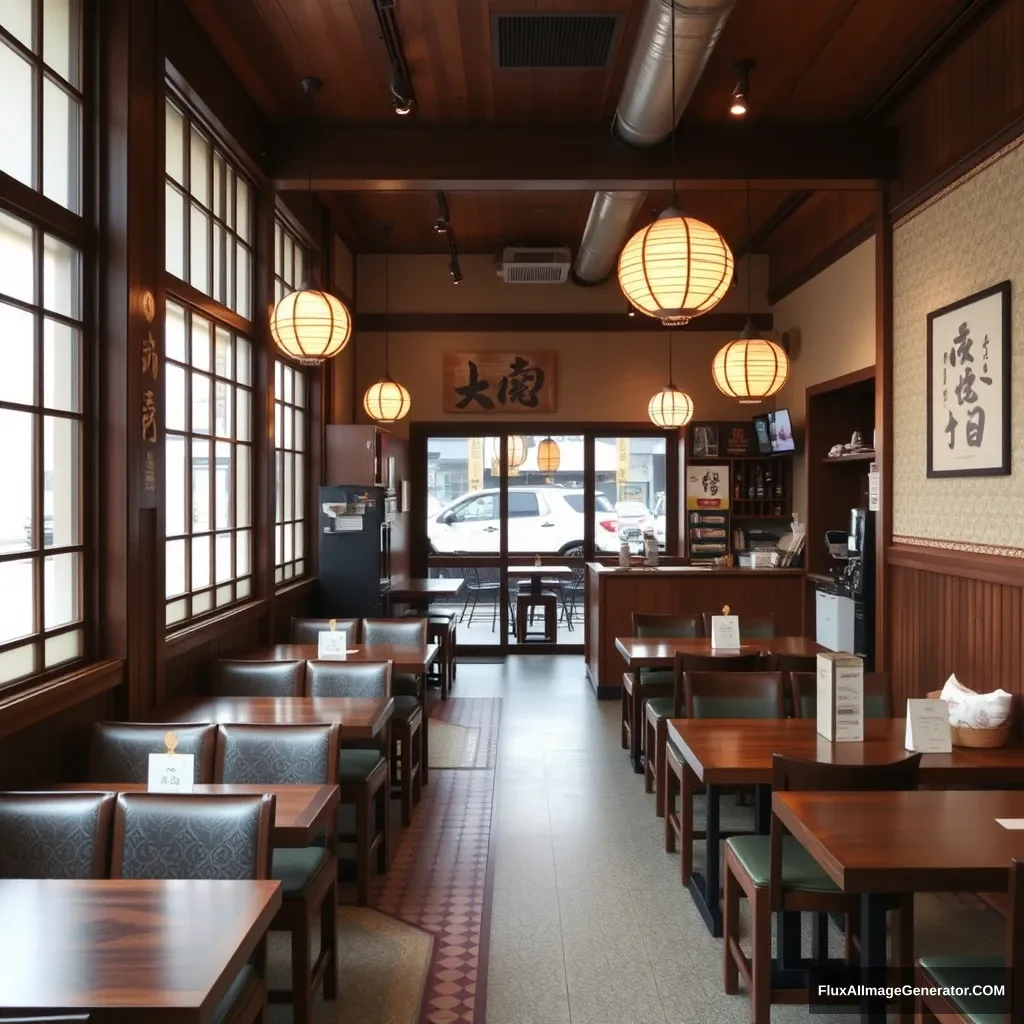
pixel 734 707
pixel 963 971
pixel 651 677
pixel 405 708
pixel 874 706
pixel 296 868
pixel 799 869
pixel 357 765
pixel 405 684
pixel 238 989
pixel 661 707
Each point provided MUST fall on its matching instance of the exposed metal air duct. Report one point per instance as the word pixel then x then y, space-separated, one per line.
pixel 644 114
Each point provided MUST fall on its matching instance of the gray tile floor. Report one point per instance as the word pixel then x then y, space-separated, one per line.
pixel 590 924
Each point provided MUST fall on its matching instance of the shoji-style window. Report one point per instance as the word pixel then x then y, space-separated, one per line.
pixel 208 376
pixel 291 423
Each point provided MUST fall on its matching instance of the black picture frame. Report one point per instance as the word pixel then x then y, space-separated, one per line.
pixel 1003 421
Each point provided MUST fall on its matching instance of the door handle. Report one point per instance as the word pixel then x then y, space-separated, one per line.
pixel 490 529
pixel 547 524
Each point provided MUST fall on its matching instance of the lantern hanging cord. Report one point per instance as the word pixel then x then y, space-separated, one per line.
pixel 672 136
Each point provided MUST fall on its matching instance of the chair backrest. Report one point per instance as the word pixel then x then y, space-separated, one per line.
pixel 159 835
pixel 667 625
pixel 307 631
pixel 752 627
pixel 1015 943
pixel 120 751
pixel 348 679
pixel 278 754
pixel 707 663
pixel 398 632
pixel 237 678
pixel 877 694
pixel 55 835
pixel 734 694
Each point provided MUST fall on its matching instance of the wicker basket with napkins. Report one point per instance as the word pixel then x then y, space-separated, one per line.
pixel 976 719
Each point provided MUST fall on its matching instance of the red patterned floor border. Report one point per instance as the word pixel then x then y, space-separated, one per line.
pixel 481 713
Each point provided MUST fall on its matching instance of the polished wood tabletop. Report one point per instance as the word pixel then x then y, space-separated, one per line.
pixel 919 841
pixel 731 751
pixel 403 659
pixel 405 589
pixel 360 718
pixel 660 652
pixel 127 950
pixel 300 812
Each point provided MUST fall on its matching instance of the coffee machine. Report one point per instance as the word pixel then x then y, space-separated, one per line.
pixel 860 581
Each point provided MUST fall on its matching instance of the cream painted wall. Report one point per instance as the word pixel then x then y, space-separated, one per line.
pixel 971 237
pixel 832 319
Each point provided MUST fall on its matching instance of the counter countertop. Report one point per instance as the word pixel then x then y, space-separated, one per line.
pixel 669 570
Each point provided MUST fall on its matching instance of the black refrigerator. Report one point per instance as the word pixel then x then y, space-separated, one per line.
pixel 355 551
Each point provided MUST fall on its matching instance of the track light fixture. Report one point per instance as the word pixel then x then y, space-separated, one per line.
pixel 454 269
pixel 630 309
pixel 441 224
pixel 738 106
pixel 401 91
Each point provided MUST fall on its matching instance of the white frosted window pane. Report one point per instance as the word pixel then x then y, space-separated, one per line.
pixel 174 144
pixel 62 366
pixel 199 156
pixel 175 416
pixel 174 233
pixel 16 262
pixel 202 603
pixel 289 374
pixel 287 553
pixel 280 369
pixel 279 545
pixel 242 206
pixel 200 563
pixel 242 588
pixel 62 589
pixel 243 369
pixel 300 389
pixel 222 490
pixel 222 405
pixel 60 37
pixel 16 133
pixel 278 424
pixel 21 661
pixel 176 611
pixel 300 484
pixel 62 272
pixel 218 185
pixel 243 415
pixel 17 355
pixel 278 486
pixel 219 283
pixel 223 555
pixel 300 542
pixel 286 435
pixel 174 573
pixel 62 146
pixel 243 543
pixel 200 343
pixel 65 647
pixel 174 334
pixel 222 353
pixel 288 480
pixel 300 431
pixel 17 584
pixel 243 278
pixel 243 494
pixel 16 17
pixel 278 574
pixel 199 249
pixel 200 404
pixel 200 485
pixel 62 481
pixel 16 472
pixel 300 567
pixel 225 595
pixel 174 497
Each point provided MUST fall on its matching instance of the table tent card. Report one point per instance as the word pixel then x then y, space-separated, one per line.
pixel 332 642
pixel 725 631
pixel 171 772
pixel 841 697
pixel 928 729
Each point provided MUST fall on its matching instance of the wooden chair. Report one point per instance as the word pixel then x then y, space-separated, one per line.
pixel 307 631
pixel 405 633
pixel 364 772
pixel 777 874
pixel 660 709
pixel 877 694
pixel 442 629
pixel 752 627
pixel 55 835
pixel 160 835
pixel 653 682
pixel 951 971
pixel 239 678
pixel 295 755
pixel 119 751
pixel 787 664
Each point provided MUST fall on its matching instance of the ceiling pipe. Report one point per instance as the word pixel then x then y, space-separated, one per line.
pixel 644 114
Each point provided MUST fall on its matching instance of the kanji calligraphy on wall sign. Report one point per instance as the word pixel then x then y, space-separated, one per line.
pixel 969 386
pixel 499 382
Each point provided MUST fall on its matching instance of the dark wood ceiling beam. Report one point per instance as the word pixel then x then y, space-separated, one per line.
pixel 351 159
pixel 587 323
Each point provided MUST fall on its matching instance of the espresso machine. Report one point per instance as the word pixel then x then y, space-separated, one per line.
pixel 860 582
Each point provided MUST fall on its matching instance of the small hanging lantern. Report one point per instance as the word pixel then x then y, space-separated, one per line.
pixel 548 456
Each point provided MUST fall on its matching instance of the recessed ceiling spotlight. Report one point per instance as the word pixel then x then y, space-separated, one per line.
pixel 738 105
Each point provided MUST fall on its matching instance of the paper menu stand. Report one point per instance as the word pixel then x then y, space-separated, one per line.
pixel 171 772
pixel 725 631
pixel 928 729
pixel 332 642
pixel 840 697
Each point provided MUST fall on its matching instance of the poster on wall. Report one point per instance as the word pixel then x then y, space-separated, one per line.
pixel 499 382
pixel 969 385
pixel 707 487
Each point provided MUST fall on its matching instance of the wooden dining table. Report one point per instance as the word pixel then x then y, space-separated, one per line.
pixel 301 813
pixel 738 751
pixel 882 844
pixel 414 659
pixel 164 952
pixel 420 591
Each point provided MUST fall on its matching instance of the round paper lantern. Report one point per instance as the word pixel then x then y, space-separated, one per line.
pixel 516 450
pixel 386 401
pixel 310 326
pixel 670 408
pixel 676 268
pixel 750 369
pixel 548 456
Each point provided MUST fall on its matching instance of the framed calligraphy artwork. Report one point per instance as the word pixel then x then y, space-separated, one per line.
pixel 499 382
pixel 969 385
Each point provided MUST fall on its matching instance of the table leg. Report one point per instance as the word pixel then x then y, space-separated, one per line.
pixel 637 731
pixel 872 955
pixel 706 889
pixel 762 809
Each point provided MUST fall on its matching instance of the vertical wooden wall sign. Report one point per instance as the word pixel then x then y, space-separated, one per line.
pixel 149 363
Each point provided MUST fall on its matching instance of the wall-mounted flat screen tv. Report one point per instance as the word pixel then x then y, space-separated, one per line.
pixel 780 430
pixel 763 435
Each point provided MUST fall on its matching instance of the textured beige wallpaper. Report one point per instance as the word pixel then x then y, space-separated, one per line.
pixel 970 237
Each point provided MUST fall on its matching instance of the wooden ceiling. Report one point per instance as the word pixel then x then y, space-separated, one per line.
pixel 817 61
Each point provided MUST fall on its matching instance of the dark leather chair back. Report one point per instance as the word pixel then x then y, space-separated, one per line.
pixel 734 695
pixel 278 754
pixel 752 627
pixel 348 678
pixel 55 835
pixel 120 750
pixel 162 835
pixel 307 631
pixel 259 678
pixel 667 625
pixel 400 632
pixel 707 663
pixel 877 694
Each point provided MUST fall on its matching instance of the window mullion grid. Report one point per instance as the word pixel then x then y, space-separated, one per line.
pixel 189 461
pixel 38 525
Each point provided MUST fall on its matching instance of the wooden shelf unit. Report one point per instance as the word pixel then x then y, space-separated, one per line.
pixel 834 460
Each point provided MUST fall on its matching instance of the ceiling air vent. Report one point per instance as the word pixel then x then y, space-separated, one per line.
pixel 520 265
pixel 554 41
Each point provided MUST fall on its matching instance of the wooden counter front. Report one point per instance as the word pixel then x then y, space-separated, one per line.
pixel 613 594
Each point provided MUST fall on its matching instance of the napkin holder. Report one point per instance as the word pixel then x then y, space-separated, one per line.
pixel 979 739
